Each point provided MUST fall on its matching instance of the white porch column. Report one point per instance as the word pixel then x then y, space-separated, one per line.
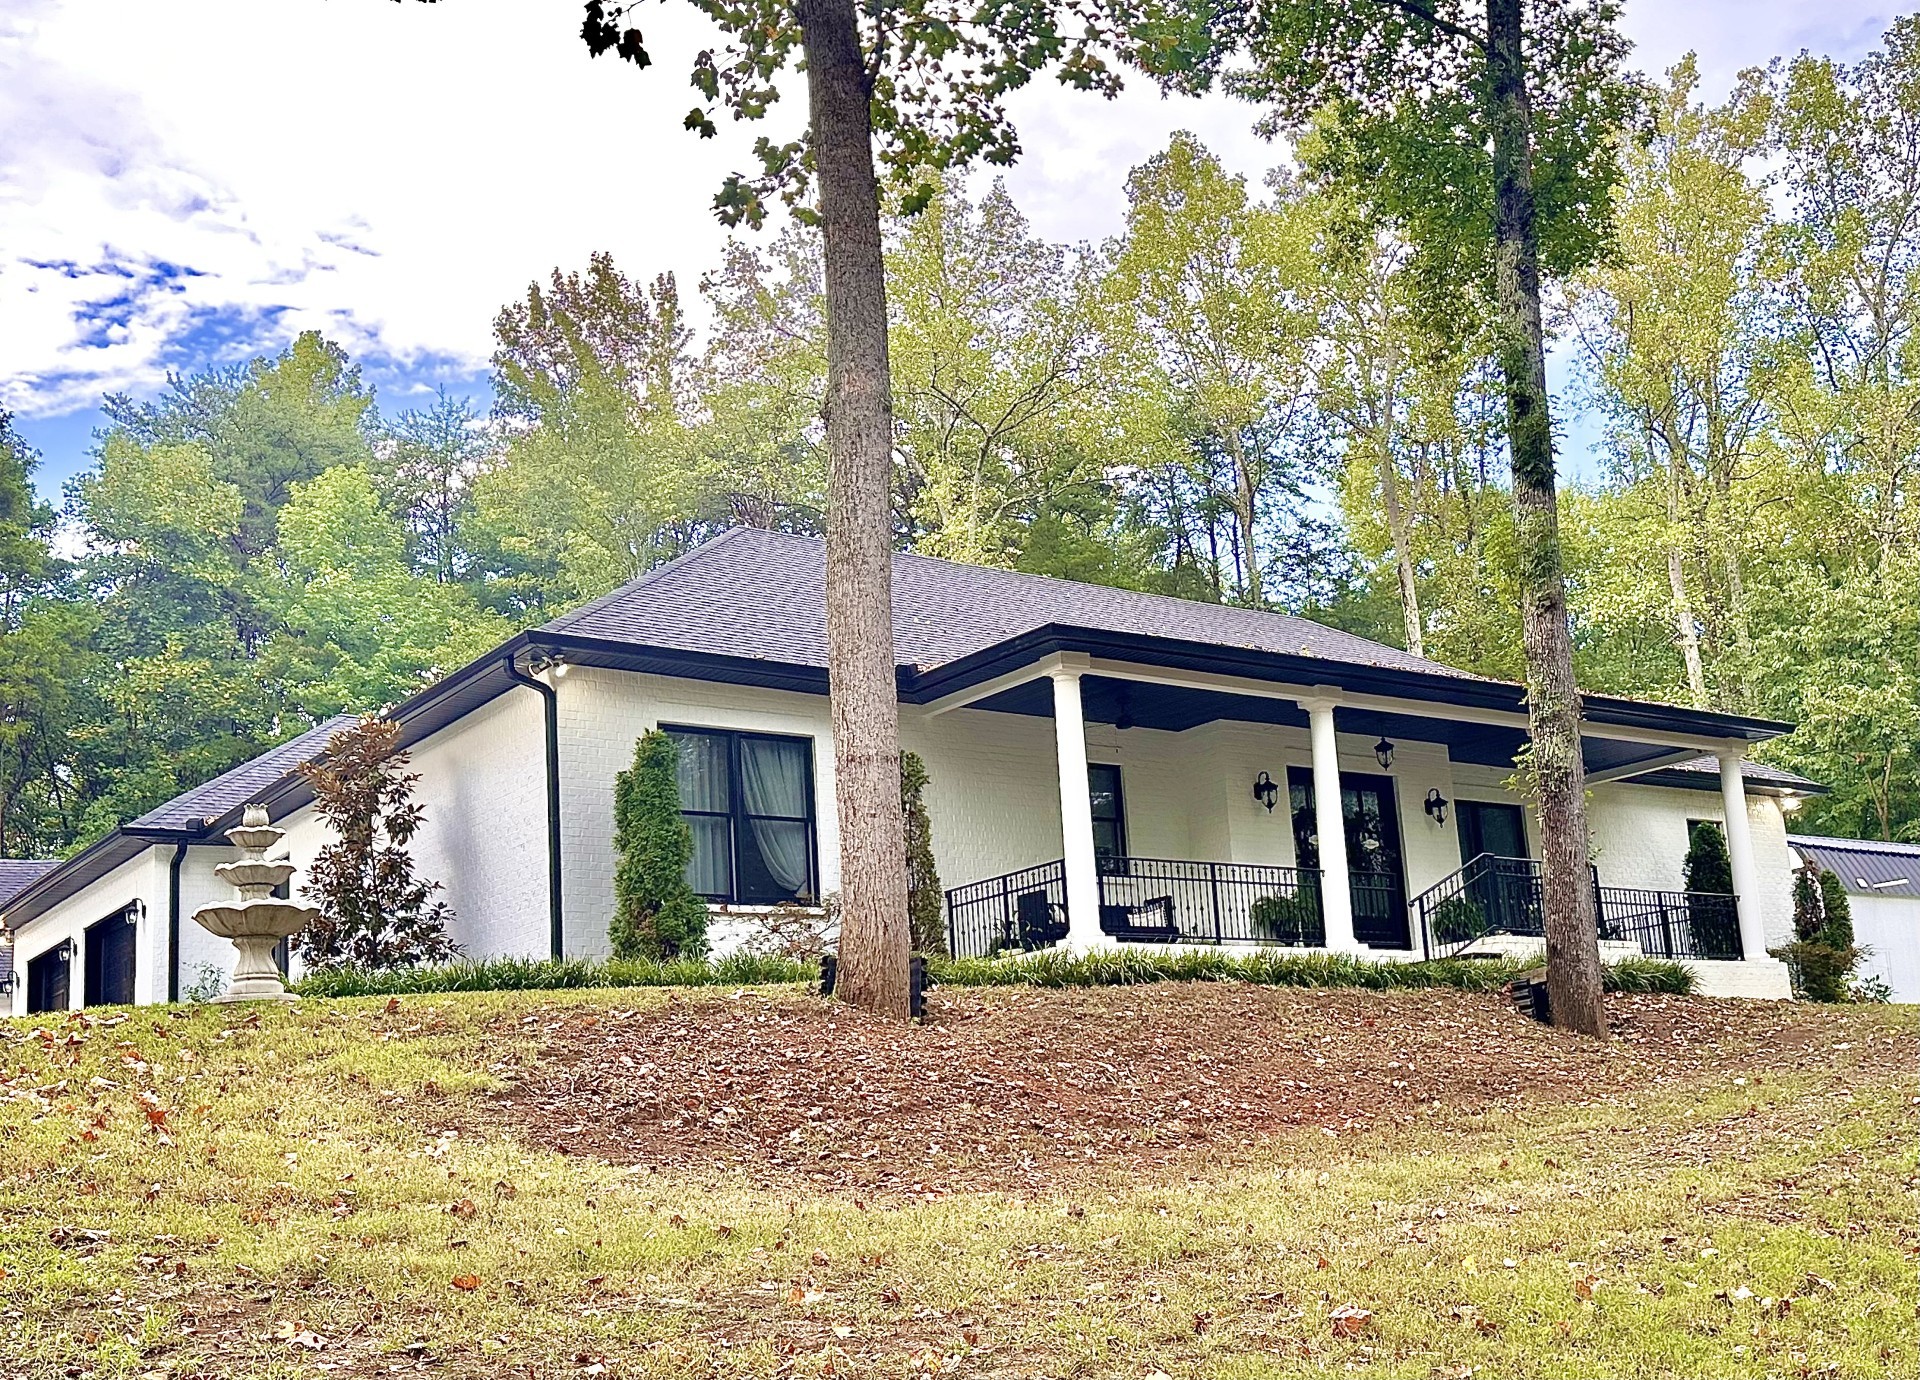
pixel 1336 895
pixel 1076 811
pixel 1746 877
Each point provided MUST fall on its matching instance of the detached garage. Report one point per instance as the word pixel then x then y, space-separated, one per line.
pixel 1882 882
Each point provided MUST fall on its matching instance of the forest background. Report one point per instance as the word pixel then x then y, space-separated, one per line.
pixel 1250 395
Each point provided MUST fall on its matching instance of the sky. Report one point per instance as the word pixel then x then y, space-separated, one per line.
pixel 195 183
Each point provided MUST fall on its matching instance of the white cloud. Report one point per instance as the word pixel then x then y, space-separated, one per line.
pixel 185 179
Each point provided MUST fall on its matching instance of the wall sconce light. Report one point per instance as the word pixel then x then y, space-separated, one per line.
pixel 1789 802
pixel 1436 806
pixel 1383 752
pixel 1265 791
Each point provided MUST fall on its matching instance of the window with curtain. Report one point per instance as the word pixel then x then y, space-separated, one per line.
pixel 748 800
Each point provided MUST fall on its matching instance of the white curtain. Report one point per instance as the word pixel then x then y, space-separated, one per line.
pixel 700 766
pixel 773 781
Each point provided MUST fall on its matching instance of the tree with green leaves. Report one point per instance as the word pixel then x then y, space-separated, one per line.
pixel 655 912
pixel 1487 132
pixel 356 626
pixel 994 351
pixel 1680 329
pixel 42 665
pixel 424 467
pixel 1215 307
pixel 917 87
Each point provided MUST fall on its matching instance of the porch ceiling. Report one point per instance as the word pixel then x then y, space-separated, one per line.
pixel 1175 709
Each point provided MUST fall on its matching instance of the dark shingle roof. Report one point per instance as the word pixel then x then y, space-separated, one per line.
pixel 244 783
pixel 17 874
pixel 1758 772
pixel 762 595
pixel 1864 866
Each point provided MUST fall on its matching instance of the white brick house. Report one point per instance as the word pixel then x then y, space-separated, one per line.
pixel 1094 756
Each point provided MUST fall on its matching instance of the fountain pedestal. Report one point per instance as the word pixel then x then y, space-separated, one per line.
pixel 260 920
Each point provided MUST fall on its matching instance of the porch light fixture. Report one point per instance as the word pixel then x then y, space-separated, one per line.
pixel 1265 791
pixel 1383 753
pixel 1436 806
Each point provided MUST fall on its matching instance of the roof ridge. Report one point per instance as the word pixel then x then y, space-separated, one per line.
pixel 1145 595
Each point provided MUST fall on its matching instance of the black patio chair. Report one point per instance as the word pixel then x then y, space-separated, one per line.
pixel 1039 921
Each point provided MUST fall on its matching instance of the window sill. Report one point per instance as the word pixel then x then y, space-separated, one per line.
pixel 740 908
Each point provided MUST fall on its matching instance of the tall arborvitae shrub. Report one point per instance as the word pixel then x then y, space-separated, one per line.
pixel 1809 908
pixel 374 913
pixel 1708 867
pixel 923 878
pixel 1837 931
pixel 656 914
pixel 1822 954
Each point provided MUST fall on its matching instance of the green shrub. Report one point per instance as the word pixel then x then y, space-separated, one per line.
pixel 656 914
pixel 1836 930
pixel 1822 956
pixel 1809 911
pixel 1127 966
pixel 1458 918
pixel 546 974
pixel 1708 866
pixel 1291 919
pixel 1649 975
pixel 924 925
pixel 1117 967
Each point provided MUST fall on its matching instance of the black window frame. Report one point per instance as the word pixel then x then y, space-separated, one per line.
pixel 738 815
pixel 1461 808
pixel 1119 820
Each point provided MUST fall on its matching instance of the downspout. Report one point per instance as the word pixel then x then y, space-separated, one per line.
pixel 556 934
pixel 173 920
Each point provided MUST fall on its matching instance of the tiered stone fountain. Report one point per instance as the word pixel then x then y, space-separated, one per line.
pixel 260 920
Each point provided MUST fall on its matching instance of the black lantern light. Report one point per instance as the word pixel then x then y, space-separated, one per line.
pixel 1436 806
pixel 1265 791
pixel 1383 752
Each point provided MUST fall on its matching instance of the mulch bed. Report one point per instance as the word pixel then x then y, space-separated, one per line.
pixel 1011 1089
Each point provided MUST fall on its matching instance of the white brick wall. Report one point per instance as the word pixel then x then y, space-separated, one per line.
pixel 994 803
pixel 1640 840
pixel 602 714
pixel 141 878
pixel 483 781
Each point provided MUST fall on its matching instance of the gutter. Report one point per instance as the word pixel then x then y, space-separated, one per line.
pixel 550 705
pixel 173 920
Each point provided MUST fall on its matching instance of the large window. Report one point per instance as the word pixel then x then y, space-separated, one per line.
pixel 748 798
pixel 1109 812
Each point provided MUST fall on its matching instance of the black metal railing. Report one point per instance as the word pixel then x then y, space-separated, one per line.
pixel 1142 901
pixel 1170 901
pixel 1022 910
pixel 1494 895
pixel 1490 895
pixel 1672 924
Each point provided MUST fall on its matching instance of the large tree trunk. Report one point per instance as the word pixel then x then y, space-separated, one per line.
pixel 1553 699
pixel 859 412
pixel 1686 627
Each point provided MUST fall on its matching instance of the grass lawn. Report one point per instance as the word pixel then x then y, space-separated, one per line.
pixel 1179 1180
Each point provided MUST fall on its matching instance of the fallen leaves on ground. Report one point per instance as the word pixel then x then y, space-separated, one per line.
pixel 1011 1089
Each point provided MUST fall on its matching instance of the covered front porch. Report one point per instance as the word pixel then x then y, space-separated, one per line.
pixel 1202 806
